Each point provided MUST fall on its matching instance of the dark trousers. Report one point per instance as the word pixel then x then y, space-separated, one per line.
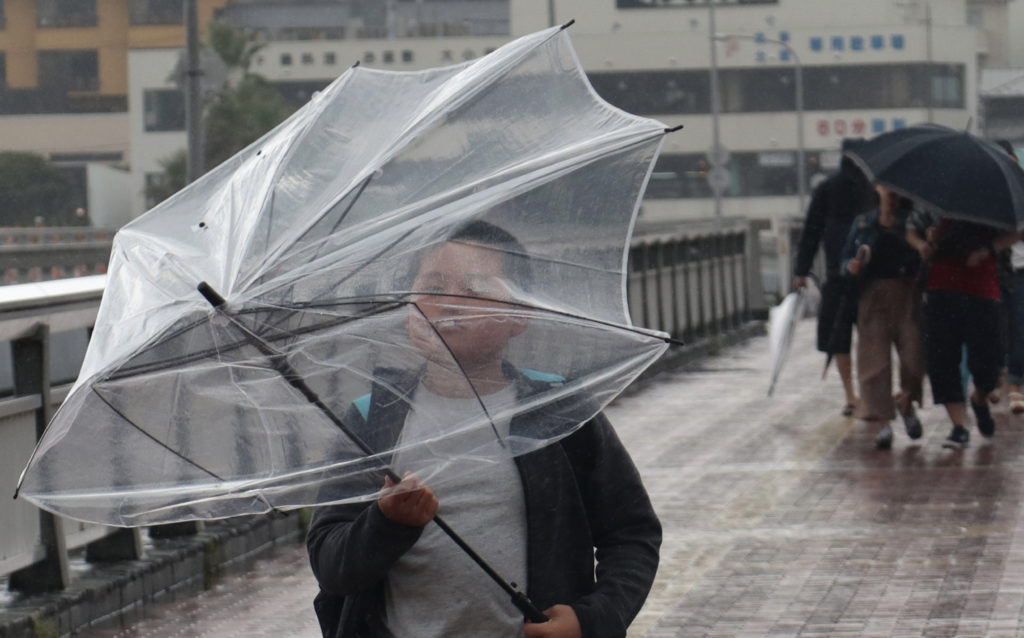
pixel 955 320
pixel 1015 364
pixel 836 315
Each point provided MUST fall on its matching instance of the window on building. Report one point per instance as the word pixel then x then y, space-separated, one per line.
pixel 66 13
pixel 369 57
pixel 751 174
pixel 163 110
pixel 757 90
pixel 330 58
pixel 679 176
pixel 286 59
pixel 883 86
pixel 406 55
pixel 388 57
pixel 774 88
pixel 976 17
pixel 69 70
pixel 142 12
pixel 655 92
pixel 947 86
pixel 307 58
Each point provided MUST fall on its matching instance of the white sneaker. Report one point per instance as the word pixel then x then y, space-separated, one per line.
pixel 883 440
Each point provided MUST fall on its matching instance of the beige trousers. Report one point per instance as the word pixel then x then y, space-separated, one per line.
pixel 888 315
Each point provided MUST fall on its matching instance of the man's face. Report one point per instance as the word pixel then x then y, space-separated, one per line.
pixel 888 197
pixel 462 287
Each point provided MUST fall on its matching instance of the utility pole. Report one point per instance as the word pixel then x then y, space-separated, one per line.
pixel 193 103
pixel 928 56
pixel 716 145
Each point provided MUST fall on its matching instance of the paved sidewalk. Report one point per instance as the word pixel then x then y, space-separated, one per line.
pixel 781 519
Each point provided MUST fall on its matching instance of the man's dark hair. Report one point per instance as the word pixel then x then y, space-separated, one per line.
pixel 482 233
pixel 515 260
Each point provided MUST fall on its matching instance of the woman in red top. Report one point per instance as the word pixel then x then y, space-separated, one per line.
pixel 962 310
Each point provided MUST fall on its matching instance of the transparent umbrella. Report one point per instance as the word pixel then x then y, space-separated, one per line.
pixel 247 319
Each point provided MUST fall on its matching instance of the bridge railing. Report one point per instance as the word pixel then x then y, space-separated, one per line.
pixel 42 254
pixel 692 281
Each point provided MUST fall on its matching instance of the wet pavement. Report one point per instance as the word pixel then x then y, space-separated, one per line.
pixel 781 519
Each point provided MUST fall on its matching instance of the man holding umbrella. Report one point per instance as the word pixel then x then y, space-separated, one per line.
pixel 383 570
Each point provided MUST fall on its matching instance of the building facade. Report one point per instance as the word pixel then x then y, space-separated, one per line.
pixel 64 83
pixel 866 67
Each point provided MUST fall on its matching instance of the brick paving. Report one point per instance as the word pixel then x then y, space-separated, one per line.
pixel 781 519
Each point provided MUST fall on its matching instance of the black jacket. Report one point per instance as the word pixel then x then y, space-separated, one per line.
pixel 582 493
pixel 834 205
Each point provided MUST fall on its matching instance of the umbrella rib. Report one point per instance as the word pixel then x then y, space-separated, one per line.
pixel 202 354
pixel 156 440
pixel 570 315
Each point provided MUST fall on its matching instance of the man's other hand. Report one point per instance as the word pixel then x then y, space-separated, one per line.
pixel 562 623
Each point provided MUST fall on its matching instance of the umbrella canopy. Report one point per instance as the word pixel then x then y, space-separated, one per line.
pixel 950 172
pixel 247 319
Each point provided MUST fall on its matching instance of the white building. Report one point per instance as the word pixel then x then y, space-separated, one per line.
pixel 867 67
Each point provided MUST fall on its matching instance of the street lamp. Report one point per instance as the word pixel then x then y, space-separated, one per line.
pixel 801 166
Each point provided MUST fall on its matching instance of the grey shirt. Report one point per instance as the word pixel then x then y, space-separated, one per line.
pixel 435 589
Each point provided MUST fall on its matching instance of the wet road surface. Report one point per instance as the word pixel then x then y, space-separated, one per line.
pixel 781 519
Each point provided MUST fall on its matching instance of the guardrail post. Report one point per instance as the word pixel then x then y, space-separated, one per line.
pixel 31 359
pixel 698 253
pixel 640 263
pixel 756 302
pixel 671 255
pixel 123 544
pixel 722 257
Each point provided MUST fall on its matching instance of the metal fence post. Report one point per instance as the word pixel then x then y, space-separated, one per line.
pixel 31 362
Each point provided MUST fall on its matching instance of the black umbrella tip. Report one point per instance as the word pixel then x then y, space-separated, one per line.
pixel 211 295
pixel 673 129
pixel 568 24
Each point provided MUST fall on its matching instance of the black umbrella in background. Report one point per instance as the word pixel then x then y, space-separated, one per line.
pixel 950 172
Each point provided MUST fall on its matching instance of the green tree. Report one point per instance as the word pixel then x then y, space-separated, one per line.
pixel 245 108
pixel 32 187
pixel 171 180
pixel 239 116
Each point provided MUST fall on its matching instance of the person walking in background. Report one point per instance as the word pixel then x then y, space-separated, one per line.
pixel 1012 291
pixel 887 315
pixel 834 204
pixel 962 310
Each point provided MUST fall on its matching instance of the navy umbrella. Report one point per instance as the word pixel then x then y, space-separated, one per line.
pixel 950 172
